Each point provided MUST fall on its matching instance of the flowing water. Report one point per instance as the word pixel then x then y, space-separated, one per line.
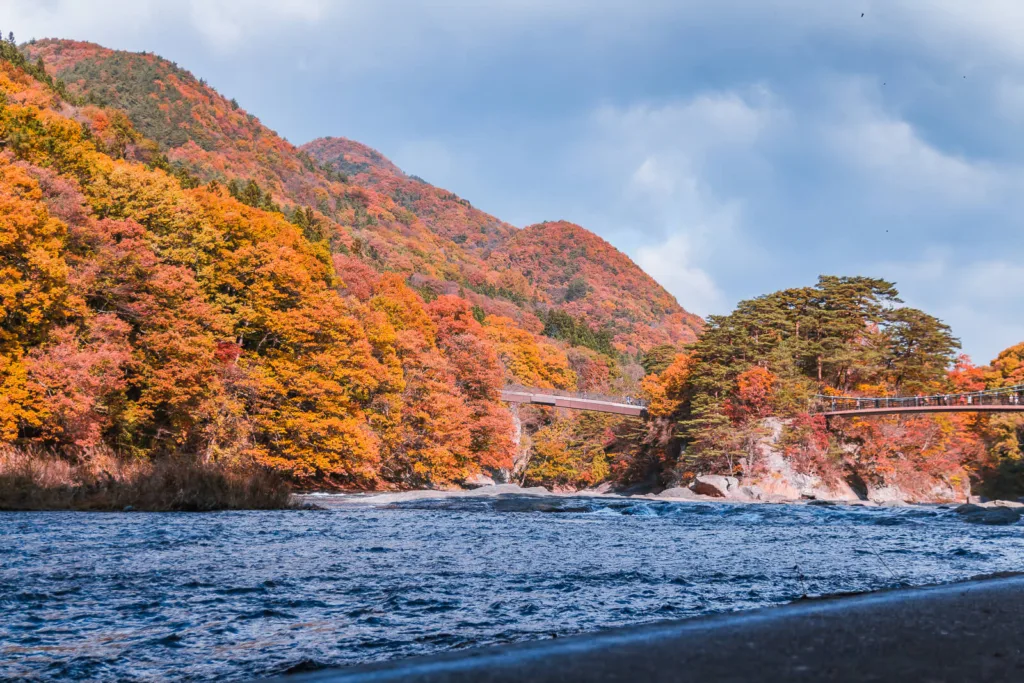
pixel 236 595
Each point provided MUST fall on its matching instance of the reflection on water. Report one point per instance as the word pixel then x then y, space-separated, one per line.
pixel 239 594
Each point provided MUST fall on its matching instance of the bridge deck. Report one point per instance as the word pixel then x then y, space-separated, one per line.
pixel 573 403
pixel 903 410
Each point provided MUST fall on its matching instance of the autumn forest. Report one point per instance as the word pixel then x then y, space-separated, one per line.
pixel 179 283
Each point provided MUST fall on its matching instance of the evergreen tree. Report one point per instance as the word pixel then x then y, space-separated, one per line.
pixel 655 360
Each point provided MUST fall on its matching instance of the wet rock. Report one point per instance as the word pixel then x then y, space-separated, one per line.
pixel 753 492
pixel 477 480
pixel 887 495
pixel 644 487
pixel 128 508
pixel 679 492
pixel 996 516
pixel 714 485
pixel 821 503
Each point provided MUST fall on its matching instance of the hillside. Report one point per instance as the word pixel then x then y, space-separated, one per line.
pixel 446 214
pixel 361 205
pixel 588 278
pixel 155 318
pixel 212 138
pixel 609 291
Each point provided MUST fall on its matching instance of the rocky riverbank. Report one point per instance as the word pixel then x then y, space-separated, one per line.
pixel 707 489
pixel 911 634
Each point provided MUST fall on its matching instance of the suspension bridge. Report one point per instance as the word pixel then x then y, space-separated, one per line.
pixel 598 403
pixel 1003 400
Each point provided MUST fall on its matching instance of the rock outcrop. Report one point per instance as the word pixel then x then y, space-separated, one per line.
pixel 715 485
pixel 679 493
pixel 778 479
pixel 478 480
pixel 996 515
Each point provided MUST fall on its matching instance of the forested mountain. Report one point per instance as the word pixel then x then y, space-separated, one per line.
pixel 187 282
pixel 445 213
pixel 360 202
pixel 181 282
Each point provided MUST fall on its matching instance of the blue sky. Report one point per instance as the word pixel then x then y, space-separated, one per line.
pixel 731 147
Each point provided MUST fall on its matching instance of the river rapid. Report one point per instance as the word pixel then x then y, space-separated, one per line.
pixel 236 595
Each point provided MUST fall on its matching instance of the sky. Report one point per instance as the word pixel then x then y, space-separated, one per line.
pixel 730 147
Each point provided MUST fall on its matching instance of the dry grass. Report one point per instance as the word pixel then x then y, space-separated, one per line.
pixel 99 480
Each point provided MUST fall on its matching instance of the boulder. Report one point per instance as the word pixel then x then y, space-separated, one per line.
pixel 996 516
pixel 745 492
pixel 477 480
pixel 714 485
pixel 679 492
pixel 887 495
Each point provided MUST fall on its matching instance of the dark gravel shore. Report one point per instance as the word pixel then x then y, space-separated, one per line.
pixel 968 631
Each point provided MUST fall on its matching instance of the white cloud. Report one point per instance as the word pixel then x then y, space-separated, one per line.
pixel 227 23
pixel 707 123
pixel 962 31
pixel 980 299
pixel 672 264
pixel 658 161
pixel 223 24
pixel 891 152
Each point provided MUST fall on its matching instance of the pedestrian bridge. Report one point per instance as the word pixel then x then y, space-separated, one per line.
pixel 598 403
pixel 1003 400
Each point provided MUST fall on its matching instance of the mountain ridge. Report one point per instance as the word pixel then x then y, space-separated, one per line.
pixel 366 203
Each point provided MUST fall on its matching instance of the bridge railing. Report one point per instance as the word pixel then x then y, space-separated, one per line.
pixel 1005 396
pixel 586 395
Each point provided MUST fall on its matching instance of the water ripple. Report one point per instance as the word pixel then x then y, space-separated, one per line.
pixel 233 595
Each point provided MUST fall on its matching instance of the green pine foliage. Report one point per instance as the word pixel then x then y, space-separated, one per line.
pixel 561 325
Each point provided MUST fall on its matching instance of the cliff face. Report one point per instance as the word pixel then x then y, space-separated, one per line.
pixel 777 475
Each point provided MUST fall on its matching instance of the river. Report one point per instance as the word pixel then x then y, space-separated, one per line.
pixel 233 595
